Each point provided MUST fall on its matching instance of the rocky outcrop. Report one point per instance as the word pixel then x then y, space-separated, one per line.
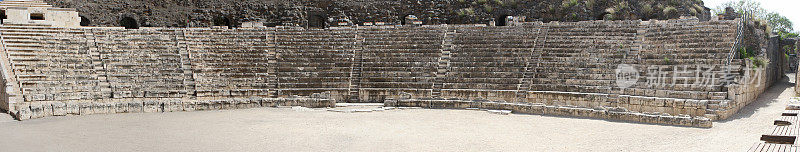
pixel 200 13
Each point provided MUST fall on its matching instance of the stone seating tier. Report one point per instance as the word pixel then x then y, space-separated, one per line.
pixel 570 64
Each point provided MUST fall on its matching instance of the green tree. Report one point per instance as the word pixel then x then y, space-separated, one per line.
pixel 743 7
pixel 779 23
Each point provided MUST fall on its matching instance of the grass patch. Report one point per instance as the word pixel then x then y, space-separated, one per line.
pixel 568 3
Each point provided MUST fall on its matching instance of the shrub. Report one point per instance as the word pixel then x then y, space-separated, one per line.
pixel 589 3
pixel 608 17
pixel 568 3
pixel 481 1
pixel 465 11
pixel 745 52
pixel 757 62
pixel 647 9
pixel 699 8
pixel 670 12
pixel 510 3
pixel 462 1
pixel 488 8
pixel 499 2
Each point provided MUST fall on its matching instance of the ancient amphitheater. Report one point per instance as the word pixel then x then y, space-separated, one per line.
pixel 670 76
pixel 689 72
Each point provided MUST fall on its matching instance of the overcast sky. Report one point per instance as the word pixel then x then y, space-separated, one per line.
pixel 788 8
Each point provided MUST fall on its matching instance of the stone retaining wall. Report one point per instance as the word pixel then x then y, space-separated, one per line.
pixel 33 110
pixel 614 114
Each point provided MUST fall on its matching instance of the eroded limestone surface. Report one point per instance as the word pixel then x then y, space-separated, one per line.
pixel 58 71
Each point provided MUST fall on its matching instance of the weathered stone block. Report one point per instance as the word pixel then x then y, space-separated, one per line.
pixel 121 107
pixel 99 108
pixel 538 109
pixel 36 109
pixel 243 104
pixel 583 112
pixel 283 102
pixel 462 104
pixel 272 102
pixel 550 110
pixel 151 106
pixel 173 106
pixel 86 108
pixel 215 105
pixel 189 105
pixel 135 106
pixel 614 115
pixel 23 111
pixel 227 104
pixel 390 102
pixel 444 104
pixel 489 105
pixel 599 114
pixel 59 108
pixel 521 108
pixel 701 122
pixel 201 105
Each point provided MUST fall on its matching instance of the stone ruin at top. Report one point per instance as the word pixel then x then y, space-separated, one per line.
pixel 678 72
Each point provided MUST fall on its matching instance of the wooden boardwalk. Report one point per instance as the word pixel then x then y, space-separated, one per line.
pixel 768 147
pixel 783 136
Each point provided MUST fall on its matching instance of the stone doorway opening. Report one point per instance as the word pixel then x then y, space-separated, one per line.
pixel 85 21
pixel 129 23
pixel 500 20
pixel 316 20
pixel 3 16
pixel 37 16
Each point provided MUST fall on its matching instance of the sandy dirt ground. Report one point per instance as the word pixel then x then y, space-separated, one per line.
pixel 286 129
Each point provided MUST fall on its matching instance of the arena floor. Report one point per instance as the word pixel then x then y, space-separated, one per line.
pixel 287 129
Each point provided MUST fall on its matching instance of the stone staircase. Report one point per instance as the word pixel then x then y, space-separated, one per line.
pixel 487 62
pixel 145 63
pixel 315 61
pixel 238 57
pixel 399 60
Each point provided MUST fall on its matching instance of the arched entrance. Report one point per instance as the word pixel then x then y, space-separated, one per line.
pixel 128 23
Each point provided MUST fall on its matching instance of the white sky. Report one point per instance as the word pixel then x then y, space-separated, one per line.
pixel 788 8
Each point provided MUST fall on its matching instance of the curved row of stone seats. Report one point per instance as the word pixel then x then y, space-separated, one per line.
pixel 397 60
pixel 142 63
pixel 566 64
pixel 25 3
pixel 487 62
pixel 692 45
pixel 683 61
pixel 51 63
pixel 315 61
pixel 599 78
pixel 581 56
pixel 238 57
